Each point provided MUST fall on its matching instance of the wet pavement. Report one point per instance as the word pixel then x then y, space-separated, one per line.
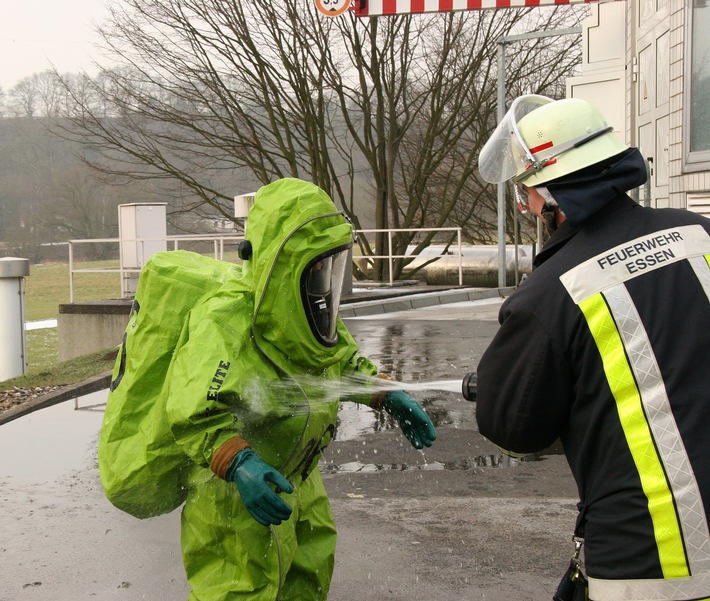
pixel 457 521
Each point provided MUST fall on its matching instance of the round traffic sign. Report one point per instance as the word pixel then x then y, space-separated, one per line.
pixel 332 8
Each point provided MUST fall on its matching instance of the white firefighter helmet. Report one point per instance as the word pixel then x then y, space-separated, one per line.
pixel 541 139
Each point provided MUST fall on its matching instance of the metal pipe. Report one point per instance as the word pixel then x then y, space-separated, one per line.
pixel 648 184
pixel 500 112
pixel 460 259
pixel 389 239
pixel 71 272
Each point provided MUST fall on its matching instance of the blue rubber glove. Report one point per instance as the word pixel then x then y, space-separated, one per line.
pixel 252 477
pixel 413 420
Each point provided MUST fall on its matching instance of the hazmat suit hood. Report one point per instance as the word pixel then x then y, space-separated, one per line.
pixel 290 226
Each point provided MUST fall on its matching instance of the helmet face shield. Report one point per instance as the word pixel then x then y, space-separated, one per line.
pixel 321 289
pixel 506 154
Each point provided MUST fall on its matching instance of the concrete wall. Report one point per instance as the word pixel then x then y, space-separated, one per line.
pixel 84 328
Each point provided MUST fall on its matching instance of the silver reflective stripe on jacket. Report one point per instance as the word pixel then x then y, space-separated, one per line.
pixel 634 258
pixel 669 589
pixel 674 500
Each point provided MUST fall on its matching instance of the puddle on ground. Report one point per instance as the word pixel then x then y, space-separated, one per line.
pixel 51 442
pixel 497 460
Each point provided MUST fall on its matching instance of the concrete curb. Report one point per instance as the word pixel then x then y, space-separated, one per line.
pixel 94 384
pixel 419 300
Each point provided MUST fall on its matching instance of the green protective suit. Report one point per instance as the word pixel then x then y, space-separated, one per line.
pixel 247 366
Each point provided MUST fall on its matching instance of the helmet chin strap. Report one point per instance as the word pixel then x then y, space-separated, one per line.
pixel 549 214
pixel 550 210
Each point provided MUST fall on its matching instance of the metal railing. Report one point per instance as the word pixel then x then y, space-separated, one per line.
pixel 390 256
pixel 145 246
pixel 128 271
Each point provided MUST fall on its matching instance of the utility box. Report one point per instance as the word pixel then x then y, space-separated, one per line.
pixel 142 229
pixel 242 204
pixel 13 350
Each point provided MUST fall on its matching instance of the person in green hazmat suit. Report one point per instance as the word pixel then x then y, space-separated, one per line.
pixel 257 522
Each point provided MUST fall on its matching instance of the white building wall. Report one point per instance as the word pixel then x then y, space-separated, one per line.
pixel 686 188
pixel 666 31
pixel 677 182
pixel 680 184
pixel 631 70
pixel 602 79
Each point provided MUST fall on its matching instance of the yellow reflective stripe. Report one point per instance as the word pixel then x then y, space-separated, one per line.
pixel 638 436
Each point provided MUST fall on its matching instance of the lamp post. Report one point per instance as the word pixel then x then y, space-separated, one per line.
pixel 502 41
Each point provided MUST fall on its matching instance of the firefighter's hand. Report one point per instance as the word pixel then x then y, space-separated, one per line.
pixel 252 477
pixel 413 420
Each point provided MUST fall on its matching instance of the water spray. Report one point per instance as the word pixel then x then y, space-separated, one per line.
pixel 355 384
pixel 265 395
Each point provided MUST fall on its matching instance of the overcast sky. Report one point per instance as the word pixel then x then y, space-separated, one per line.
pixel 38 34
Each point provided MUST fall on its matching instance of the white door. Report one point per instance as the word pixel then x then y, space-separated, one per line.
pixel 652 96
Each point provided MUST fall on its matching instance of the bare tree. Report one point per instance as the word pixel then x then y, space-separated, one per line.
pixel 387 115
pixel 50 92
pixel 83 207
pixel 48 195
pixel 23 98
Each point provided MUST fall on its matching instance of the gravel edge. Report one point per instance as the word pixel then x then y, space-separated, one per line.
pixel 35 399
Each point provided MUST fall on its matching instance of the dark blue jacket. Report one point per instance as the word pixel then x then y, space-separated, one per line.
pixel 606 346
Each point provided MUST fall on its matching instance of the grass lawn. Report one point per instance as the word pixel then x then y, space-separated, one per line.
pixel 47 287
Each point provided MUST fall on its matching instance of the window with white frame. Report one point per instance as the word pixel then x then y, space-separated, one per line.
pixel 697 86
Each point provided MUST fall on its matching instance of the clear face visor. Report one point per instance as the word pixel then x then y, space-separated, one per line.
pixel 322 286
pixel 505 153
pixel 522 197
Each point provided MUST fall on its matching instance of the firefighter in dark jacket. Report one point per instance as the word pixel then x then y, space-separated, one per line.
pixel 606 346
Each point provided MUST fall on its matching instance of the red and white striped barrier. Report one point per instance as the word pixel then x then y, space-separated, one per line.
pixel 373 8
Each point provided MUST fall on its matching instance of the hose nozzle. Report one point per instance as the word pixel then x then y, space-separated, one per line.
pixel 469 386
